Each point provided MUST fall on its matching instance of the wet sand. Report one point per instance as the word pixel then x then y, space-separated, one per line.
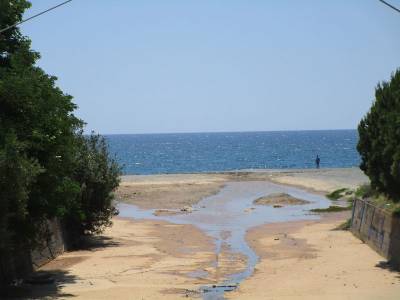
pixel 154 259
pixel 279 200
pixel 139 260
pixel 175 191
pixel 227 215
pixel 167 191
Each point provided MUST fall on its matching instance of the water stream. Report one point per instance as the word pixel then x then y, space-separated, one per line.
pixel 227 216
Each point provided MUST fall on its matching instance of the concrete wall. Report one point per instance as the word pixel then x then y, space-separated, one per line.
pixel 51 247
pixel 378 228
pixel 21 262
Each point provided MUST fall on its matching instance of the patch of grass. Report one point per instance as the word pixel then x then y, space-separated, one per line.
pixel 365 191
pixel 386 203
pixel 332 208
pixel 378 199
pixel 337 194
pixel 344 226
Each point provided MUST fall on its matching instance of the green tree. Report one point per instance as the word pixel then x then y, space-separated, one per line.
pixel 47 167
pixel 11 40
pixel 38 118
pixel 379 143
pixel 17 173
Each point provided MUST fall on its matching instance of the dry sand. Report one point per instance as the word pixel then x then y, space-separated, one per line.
pixel 321 180
pixel 310 260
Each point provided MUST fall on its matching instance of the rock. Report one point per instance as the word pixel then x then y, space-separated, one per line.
pixel 249 209
pixel 165 212
pixel 187 209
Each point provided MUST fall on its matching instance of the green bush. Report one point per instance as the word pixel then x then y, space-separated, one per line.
pixel 337 194
pixel 98 176
pixel 346 225
pixel 365 191
pixel 379 133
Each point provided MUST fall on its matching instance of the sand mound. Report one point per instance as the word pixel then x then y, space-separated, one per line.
pixel 279 199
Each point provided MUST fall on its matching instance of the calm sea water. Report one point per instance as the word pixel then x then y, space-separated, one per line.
pixel 208 152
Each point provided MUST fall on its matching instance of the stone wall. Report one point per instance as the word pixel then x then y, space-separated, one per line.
pixel 378 228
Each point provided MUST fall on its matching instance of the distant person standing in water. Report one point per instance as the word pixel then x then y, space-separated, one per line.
pixel 317 161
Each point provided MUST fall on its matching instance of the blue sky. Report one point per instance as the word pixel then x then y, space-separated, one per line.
pixel 209 65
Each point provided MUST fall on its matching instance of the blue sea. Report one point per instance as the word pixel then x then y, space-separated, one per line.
pixel 211 152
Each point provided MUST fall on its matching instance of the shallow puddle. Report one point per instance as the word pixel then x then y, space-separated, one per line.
pixel 227 216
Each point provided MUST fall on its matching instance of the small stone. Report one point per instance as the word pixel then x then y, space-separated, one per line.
pixel 187 209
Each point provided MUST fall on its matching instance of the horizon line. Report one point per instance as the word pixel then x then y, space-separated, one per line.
pixel 210 132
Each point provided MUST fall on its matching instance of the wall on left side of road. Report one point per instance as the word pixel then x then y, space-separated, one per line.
pixel 22 262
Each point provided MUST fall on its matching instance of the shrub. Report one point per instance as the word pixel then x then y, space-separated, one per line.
pixel 346 225
pixel 365 191
pixel 98 177
pixel 337 194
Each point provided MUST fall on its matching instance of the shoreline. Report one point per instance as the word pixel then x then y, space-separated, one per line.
pixel 176 191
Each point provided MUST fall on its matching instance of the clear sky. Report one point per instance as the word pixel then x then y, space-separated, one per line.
pixel 217 65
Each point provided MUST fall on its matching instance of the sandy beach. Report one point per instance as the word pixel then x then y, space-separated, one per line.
pixel 174 191
pixel 199 150
pixel 154 259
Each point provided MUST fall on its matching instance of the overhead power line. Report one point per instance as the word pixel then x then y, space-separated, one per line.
pixel 390 5
pixel 37 15
pixel 65 2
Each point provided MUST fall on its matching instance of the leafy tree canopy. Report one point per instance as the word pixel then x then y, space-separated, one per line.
pixel 48 168
pixel 379 144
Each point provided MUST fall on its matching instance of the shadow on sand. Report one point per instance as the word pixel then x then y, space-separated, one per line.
pixel 94 243
pixel 40 285
pixel 390 267
pixel 48 282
